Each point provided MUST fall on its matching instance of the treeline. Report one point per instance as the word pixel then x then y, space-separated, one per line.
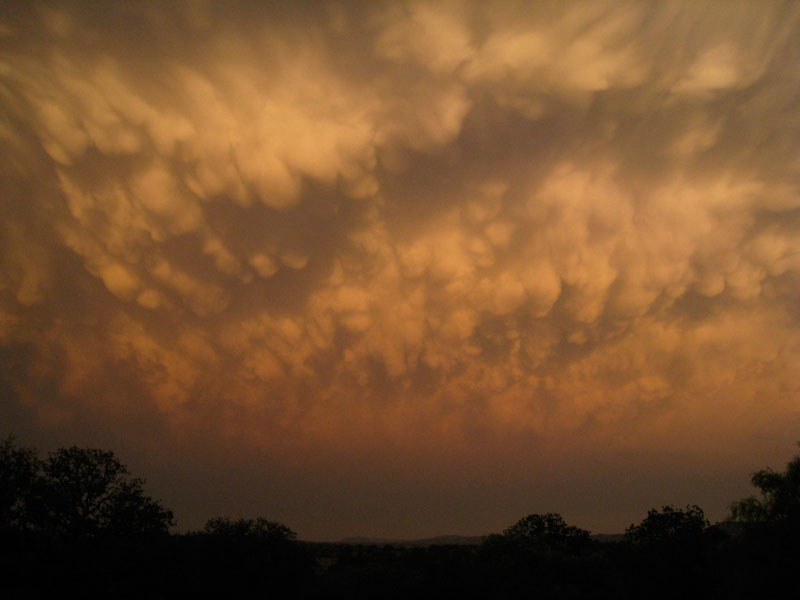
pixel 78 522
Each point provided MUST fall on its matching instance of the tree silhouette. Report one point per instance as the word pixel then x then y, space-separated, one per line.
pixel 19 469
pixel 780 497
pixel 75 492
pixel 669 523
pixel 548 529
pixel 259 528
pixel 88 492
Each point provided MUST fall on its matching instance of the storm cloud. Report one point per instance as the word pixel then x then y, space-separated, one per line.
pixel 489 257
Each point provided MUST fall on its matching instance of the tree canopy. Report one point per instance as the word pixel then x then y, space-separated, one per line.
pixel 669 523
pixel 19 469
pixel 548 529
pixel 76 492
pixel 780 497
pixel 259 528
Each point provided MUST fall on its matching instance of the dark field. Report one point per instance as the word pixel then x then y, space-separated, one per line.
pixel 753 564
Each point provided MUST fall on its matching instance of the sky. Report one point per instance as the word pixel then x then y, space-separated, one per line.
pixel 404 269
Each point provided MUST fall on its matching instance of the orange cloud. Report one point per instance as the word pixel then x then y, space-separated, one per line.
pixel 425 225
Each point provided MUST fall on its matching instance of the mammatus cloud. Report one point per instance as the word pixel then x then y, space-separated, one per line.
pixel 434 226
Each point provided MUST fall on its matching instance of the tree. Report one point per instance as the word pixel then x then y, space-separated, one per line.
pixel 780 497
pixel 259 528
pixel 87 492
pixel 548 530
pixel 669 523
pixel 19 469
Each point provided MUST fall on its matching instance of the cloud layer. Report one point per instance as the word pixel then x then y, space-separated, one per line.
pixel 422 243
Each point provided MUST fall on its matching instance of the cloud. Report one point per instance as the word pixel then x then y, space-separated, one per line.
pixel 430 225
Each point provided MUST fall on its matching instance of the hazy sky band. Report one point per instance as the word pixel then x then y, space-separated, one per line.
pixel 492 256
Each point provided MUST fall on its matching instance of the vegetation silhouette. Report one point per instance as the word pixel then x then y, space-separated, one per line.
pixel 549 530
pixel 769 544
pixel 668 525
pixel 258 528
pixel 75 493
pixel 243 557
pixel 88 492
pixel 77 521
pixel 780 497
pixel 19 470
